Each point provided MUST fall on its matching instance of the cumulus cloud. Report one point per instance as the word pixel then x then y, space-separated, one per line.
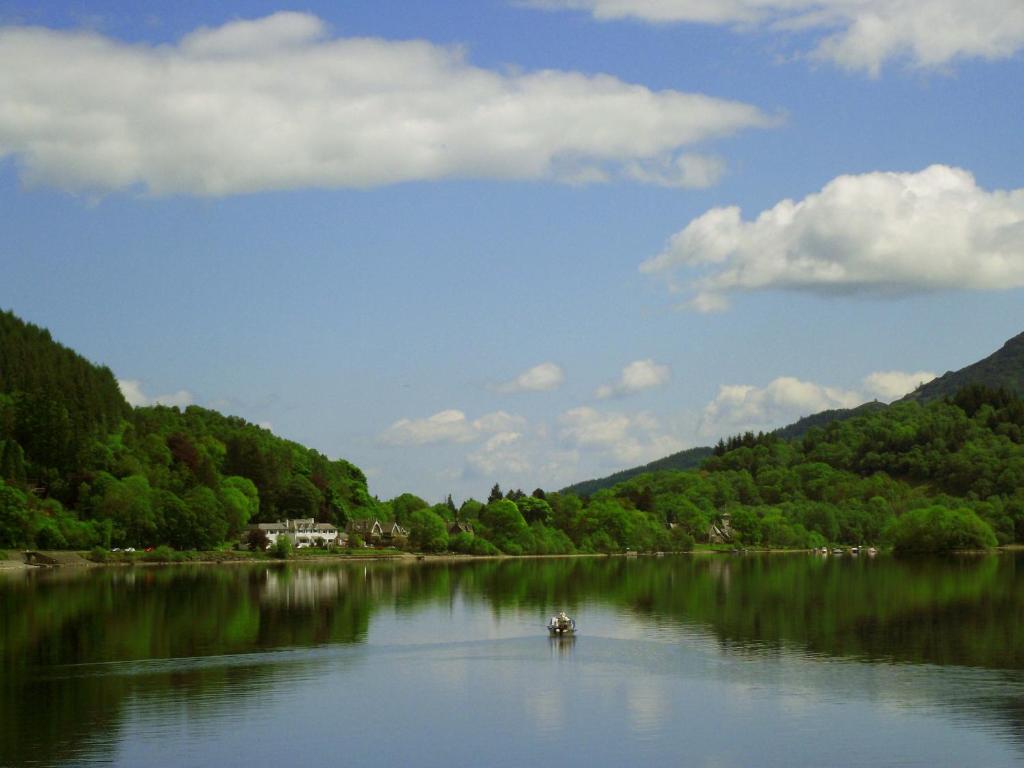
pixel 743 407
pixel 892 385
pixel 278 103
pixel 133 393
pixel 540 378
pixel 449 426
pixel 502 454
pixel 854 34
pixel 619 437
pixel 882 234
pixel 636 377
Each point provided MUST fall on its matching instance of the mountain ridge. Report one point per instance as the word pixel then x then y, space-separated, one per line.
pixel 1004 368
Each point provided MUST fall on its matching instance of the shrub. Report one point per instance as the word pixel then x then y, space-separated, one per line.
pixel 355 541
pixel 483 547
pixel 939 529
pixel 680 539
pixel 162 554
pixel 257 540
pixel 282 548
pixel 99 555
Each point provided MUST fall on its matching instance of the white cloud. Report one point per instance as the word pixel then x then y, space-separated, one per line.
pixel 540 378
pixel 854 34
pixel 687 170
pixel 449 426
pixel 636 377
pixel 884 234
pixel 618 437
pixel 502 454
pixel 278 103
pixel 742 407
pixel 892 385
pixel 132 391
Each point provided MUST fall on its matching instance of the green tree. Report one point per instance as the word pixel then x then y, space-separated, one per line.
pixel 404 505
pixel 939 529
pixel 427 531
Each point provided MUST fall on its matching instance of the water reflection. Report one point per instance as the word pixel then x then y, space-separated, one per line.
pixel 86 657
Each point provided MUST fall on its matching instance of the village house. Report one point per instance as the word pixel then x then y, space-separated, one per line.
pixel 375 533
pixel 370 531
pixel 303 532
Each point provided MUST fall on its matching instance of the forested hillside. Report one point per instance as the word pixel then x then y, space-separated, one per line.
pixel 691 458
pixel 1003 368
pixel 906 474
pixel 79 467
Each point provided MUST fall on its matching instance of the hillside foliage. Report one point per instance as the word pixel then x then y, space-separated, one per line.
pixel 80 468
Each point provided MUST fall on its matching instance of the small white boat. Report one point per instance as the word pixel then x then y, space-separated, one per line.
pixel 561 625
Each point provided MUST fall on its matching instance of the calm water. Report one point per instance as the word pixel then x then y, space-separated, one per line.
pixel 694 661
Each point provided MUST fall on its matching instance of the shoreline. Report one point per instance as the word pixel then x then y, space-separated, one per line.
pixel 64 560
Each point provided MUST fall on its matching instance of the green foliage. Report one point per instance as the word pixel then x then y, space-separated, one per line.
pixel 427 531
pixel 535 509
pixel 503 525
pixel 16 523
pixel 403 506
pixel 691 458
pixel 1004 369
pixel 162 554
pixel 939 529
pixel 191 478
pixel 282 548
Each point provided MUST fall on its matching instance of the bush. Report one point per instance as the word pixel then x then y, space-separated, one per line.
pixel 680 539
pixel 49 537
pixel 282 548
pixel 99 555
pixel 257 540
pixel 355 541
pixel 939 529
pixel 483 547
pixel 162 554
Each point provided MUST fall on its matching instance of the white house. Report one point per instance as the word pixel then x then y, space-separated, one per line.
pixel 304 532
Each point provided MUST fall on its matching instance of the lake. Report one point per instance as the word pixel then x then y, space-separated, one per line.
pixel 704 660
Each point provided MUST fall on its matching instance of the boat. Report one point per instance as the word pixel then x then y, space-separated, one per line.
pixel 561 625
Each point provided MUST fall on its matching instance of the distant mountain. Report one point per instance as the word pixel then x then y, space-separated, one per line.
pixel 1004 368
pixel 688 459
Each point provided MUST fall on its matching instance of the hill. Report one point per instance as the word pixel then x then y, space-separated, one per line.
pixel 1002 369
pixel 79 467
pixel 801 427
pixel 925 477
pixel 691 458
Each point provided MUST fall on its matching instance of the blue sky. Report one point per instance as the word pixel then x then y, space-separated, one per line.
pixel 529 243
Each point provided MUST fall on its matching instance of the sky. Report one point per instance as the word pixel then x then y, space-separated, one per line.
pixel 529 242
